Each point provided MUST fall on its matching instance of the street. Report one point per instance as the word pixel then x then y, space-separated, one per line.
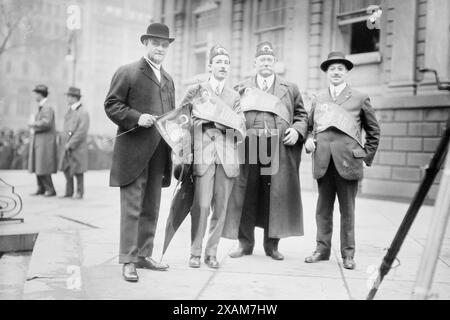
pixel 75 255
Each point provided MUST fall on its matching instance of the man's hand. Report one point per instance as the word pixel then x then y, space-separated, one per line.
pixel 200 122
pixel 310 145
pixel 220 126
pixel 291 137
pixel 146 120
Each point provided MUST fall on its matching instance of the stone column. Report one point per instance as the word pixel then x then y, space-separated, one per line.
pixel 403 48
pixel 437 43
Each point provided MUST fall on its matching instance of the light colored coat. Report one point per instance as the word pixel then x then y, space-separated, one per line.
pixel 74 137
pixel 212 142
pixel 43 148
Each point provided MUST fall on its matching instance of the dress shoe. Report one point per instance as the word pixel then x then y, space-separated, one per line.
pixel 212 262
pixel 349 263
pixel 149 263
pixel 194 262
pixel 316 257
pixel 275 255
pixel 38 193
pixel 129 272
pixel 50 194
pixel 78 196
pixel 240 252
pixel 65 196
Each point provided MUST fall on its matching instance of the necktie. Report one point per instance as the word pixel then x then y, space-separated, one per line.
pixel 334 93
pixel 265 87
pixel 218 91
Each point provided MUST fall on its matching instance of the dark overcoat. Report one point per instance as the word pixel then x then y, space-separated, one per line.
pixel 347 154
pixel 286 213
pixel 43 149
pixel 74 138
pixel 135 90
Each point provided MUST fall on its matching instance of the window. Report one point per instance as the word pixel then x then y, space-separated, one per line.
pixel 200 62
pixel 362 39
pixel 25 68
pixel 270 23
pixel 23 101
pixel 356 36
pixel 8 67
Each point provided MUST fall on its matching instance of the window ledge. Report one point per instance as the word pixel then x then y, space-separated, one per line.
pixel 365 58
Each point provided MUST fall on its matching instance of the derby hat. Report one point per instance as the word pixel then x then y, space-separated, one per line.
pixel 336 57
pixel 42 89
pixel 157 30
pixel 73 91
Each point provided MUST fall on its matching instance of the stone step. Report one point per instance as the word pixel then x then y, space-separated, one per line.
pixel 55 267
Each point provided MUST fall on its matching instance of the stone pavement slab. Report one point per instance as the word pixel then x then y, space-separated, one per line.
pixel 92 226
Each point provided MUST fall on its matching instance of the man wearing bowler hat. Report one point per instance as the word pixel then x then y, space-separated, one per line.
pixel 338 115
pixel 43 149
pixel 139 93
pixel 74 154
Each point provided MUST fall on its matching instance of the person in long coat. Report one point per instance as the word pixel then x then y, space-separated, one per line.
pixel 216 160
pixel 141 163
pixel 338 115
pixel 43 149
pixel 74 148
pixel 270 200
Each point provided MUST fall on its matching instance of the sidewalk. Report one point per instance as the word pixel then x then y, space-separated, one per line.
pixel 75 256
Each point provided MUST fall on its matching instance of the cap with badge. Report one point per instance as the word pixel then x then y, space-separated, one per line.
pixel 217 50
pixel 264 48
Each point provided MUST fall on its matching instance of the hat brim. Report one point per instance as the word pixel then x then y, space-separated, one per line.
pixel 348 64
pixel 73 94
pixel 146 36
pixel 40 91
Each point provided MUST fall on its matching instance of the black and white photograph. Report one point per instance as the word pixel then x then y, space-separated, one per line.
pixel 224 156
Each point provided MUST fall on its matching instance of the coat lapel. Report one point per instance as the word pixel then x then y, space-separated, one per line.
pixel 164 77
pixel 344 96
pixel 280 88
pixel 147 70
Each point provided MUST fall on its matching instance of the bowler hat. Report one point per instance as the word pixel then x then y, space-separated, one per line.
pixel 73 91
pixel 42 89
pixel 157 30
pixel 336 57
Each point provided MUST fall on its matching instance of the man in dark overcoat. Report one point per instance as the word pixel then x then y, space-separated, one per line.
pixel 141 165
pixel 43 149
pixel 338 115
pixel 74 153
pixel 269 199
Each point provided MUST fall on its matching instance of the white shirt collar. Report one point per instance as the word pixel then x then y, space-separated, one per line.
pixel 42 102
pixel 216 84
pixel 338 88
pixel 155 67
pixel 260 81
pixel 75 105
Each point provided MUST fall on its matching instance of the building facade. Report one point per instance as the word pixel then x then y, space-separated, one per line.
pixel 387 51
pixel 46 51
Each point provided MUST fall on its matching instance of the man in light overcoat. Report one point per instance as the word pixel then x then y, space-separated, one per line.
pixel 74 148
